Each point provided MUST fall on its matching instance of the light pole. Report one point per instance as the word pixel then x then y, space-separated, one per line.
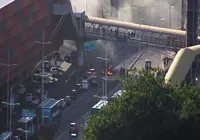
pixel 43 75
pixel 11 104
pixel 8 65
pixel 103 97
pixel 169 14
pixel 140 34
pixel 43 44
pixel 105 72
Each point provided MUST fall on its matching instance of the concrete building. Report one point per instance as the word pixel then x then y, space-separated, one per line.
pixel 21 24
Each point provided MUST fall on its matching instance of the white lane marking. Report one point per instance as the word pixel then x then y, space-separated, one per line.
pixel 62 134
pixel 73 73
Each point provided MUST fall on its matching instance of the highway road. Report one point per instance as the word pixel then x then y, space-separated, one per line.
pixel 153 54
pixel 84 101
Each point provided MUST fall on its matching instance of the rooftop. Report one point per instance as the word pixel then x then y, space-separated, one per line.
pixel 5 2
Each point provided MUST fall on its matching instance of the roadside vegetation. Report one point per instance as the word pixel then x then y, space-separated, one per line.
pixel 148 110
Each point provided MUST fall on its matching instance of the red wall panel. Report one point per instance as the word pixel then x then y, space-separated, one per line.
pixel 8 10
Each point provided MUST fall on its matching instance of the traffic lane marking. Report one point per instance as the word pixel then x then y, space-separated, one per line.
pixel 72 113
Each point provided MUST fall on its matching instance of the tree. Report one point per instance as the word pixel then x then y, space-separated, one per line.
pixel 148 110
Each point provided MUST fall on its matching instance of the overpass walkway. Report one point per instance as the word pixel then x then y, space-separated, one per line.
pixel 113 30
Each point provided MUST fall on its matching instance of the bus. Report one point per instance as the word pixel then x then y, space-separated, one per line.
pixel 116 95
pixel 95 109
pixel 26 125
pixel 49 113
pixel 6 136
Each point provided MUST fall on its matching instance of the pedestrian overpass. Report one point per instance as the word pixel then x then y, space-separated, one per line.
pixel 94 28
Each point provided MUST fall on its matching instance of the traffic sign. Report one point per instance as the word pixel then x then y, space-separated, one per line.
pixel 28 113
pixel 89 46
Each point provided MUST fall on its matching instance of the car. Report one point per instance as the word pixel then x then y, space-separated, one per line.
pixel 85 84
pixel 38 79
pixel 94 81
pixel 78 87
pixel 92 71
pixel 66 101
pixel 67 57
pixel 21 89
pixel 73 129
pixel 54 71
pixel 32 99
pixel 38 89
pixel 109 73
pixel 47 65
pixel 73 94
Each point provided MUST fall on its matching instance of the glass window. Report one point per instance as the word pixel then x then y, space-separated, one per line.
pixel 32 8
pixel 45 22
pixel 38 36
pixel 18 39
pixel 16 5
pixel 3 25
pixel 25 24
pixel 6 45
pixel 11 52
pixel 20 16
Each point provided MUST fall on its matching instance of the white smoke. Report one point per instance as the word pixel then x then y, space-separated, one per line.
pixel 153 12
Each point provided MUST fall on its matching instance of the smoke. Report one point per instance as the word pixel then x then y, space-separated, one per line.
pixel 149 12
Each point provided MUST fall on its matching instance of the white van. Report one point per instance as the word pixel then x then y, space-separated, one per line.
pixel 84 84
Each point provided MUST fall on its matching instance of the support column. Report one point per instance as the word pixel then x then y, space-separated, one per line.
pixel 192 34
pixel 80 53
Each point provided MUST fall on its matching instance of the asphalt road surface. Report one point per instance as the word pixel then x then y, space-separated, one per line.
pixel 153 54
pixel 84 101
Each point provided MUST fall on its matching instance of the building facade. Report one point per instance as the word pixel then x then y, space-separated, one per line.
pixel 21 24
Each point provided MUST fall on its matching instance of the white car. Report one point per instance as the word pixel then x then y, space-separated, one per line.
pixel 47 64
pixel 54 71
pixel 92 71
pixel 84 84
pixel 21 89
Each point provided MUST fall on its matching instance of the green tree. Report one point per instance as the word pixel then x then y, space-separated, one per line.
pixel 148 110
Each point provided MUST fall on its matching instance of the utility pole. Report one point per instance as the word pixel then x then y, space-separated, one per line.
pixel 8 65
pixel 43 43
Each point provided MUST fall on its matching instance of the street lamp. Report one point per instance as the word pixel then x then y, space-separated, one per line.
pixel 8 65
pixel 43 75
pixel 105 59
pixel 103 97
pixel 43 44
pixel 11 104
pixel 140 33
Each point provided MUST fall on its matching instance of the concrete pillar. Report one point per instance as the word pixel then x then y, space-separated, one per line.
pixel 80 52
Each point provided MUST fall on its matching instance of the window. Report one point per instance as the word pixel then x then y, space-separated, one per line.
pixel 45 22
pixel 16 5
pixel 3 25
pixel 6 45
pixel 11 53
pixel 32 8
pixel 20 16
pixel 25 23
pixel 18 39
pixel 38 36
pixel 34 30
pixel 26 56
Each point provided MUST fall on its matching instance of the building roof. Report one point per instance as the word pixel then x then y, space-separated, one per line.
pixel 5 2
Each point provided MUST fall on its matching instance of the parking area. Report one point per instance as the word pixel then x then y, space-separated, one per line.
pixel 28 92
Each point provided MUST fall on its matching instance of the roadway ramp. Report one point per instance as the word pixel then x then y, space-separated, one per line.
pixel 68 25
